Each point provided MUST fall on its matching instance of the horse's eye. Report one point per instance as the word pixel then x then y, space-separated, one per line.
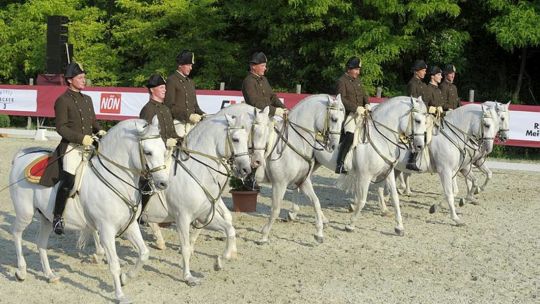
pixel 147 153
pixel 334 119
pixel 502 118
pixel 486 125
pixel 235 140
pixel 418 121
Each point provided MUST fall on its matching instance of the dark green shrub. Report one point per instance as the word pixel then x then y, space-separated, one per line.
pixel 4 121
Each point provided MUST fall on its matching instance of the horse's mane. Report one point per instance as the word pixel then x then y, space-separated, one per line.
pixel 205 125
pixel 306 101
pixel 128 128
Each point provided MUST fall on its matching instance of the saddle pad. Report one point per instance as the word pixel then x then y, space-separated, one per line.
pixel 36 168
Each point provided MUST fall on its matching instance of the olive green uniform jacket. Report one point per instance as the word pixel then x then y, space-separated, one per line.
pixel 180 97
pixel 352 93
pixel 258 93
pixel 75 118
pixel 433 96
pixel 166 123
pixel 450 95
pixel 416 88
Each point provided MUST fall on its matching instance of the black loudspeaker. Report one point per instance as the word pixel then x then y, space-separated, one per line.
pixel 59 52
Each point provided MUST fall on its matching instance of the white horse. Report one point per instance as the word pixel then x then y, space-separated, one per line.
pixel 259 125
pixel 394 127
pixel 313 124
pixel 464 133
pixel 503 114
pixel 198 176
pixel 130 149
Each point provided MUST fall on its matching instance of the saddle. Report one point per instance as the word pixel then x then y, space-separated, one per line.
pixel 360 137
pixel 34 171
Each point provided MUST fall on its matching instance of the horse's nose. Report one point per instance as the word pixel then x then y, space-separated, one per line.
pixel 419 146
pixel 333 147
pixel 162 185
pixel 255 164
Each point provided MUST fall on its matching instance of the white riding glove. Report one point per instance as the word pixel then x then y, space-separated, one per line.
pixel 101 133
pixel 87 140
pixel 368 107
pixel 279 112
pixel 432 110
pixel 171 142
pixel 439 109
pixel 194 118
pixel 360 110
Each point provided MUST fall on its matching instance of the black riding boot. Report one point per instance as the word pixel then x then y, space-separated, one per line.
pixel 343 150
pixel 411 163
pixel 64 188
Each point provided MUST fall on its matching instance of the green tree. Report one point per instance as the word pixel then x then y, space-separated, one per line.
pixel 516 26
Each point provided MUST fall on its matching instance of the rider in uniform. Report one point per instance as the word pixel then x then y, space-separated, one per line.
pixel 355 100
pixel 154 107
pixel 75 122
pixel 416 88
pixel 180 96
pixel 432 95
pixel 449 89
pixel 257 90
pixel 258 93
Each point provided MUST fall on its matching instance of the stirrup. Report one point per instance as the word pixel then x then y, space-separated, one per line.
pixel 58 225
pixel 340 169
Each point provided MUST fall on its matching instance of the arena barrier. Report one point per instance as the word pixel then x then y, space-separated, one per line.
pixel 118 103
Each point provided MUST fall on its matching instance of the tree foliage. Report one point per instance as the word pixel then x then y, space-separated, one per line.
pixel 120 43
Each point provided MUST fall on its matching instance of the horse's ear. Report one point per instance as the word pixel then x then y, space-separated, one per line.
pixel 508 104
pixel 266 110
pixel 231 120
pixel 155 121
pixel 140 126
pixel 337 100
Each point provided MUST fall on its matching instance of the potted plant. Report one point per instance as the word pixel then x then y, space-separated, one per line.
pixel 244 195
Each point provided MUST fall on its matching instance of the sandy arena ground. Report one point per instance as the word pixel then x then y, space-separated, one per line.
pixel 495 258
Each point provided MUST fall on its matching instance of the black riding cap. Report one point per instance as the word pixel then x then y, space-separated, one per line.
pixel 353 63
pixel 155 81
pixel 73 69
pixel 449 68
pixel 258 58
pixel 419 65
pixel 185 57
pixel 434 70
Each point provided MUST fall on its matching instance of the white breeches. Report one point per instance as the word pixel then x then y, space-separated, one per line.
pixel 75 154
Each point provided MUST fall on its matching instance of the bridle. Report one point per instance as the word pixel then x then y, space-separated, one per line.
pixel 145 172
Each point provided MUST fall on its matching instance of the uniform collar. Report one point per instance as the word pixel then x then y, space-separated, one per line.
pixel 349 77
pixel 256 76
pixel 182 76
pixel 155 102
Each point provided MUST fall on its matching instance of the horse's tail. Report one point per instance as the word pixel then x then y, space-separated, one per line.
pixel 347 182
pixel 83 238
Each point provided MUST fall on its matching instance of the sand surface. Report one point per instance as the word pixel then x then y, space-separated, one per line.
pixel 495 258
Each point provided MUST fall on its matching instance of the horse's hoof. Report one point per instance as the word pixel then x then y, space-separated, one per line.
pixel 319 239
pixel 385 213
pixel 123 279
pixel 461 202
pixel 54 279
pixel 218 265
pixel 96 259
pixel 459 223
pixel 476 190
pixel 433 209
pixel 124 300
pixel 262 242
pixel 349 228
pixel 161 245
pixel 351 208
pixel 192 281
pixel 399 231
pixel 20 275
pixel 292 216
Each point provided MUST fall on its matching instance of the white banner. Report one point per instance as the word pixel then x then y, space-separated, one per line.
pixel 130 104
pixel 18 100
pixel 524 125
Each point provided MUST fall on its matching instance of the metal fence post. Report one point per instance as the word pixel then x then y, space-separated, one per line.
pixel 379 92
pixel 471 95
pixel 298 88
pixel 222 86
